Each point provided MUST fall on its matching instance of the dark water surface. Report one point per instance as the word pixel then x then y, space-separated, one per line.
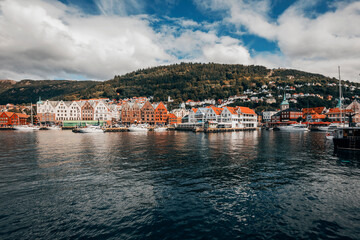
pixel 176 185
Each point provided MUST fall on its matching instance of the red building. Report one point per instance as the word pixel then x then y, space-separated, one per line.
pixel 11 119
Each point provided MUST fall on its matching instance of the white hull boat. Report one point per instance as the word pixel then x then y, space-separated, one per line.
pixel 53 128
pixel 160 129
pixel 26 128
pixel 91 129
pixel 138 128
pixel 294 128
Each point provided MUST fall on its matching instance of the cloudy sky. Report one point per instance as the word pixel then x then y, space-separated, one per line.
pixel 97 39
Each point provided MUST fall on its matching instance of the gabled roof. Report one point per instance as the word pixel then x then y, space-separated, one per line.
pixel 217 110
pixel 9 114
pixel 232 110
pixel 161 104
pixel 246 110
pixel 21 115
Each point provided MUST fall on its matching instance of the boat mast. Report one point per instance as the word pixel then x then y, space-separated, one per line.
pixel 340 97
pixel 32 122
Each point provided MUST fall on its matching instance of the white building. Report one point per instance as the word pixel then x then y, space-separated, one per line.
pixel 74 111
pixel 102 111
pixel 266 115
pixel 62 111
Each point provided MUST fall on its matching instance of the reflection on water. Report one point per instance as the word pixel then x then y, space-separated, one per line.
pixel 178 185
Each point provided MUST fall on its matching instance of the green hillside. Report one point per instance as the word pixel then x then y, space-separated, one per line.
pixel 181 82
pixel 197 81
pixel 27 91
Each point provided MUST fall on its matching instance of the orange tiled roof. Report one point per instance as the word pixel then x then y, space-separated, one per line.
pixel 246 110
pixel 217 110
pixel 194 109
pixel 232 110
pixel 21 115
pixel 171 115
pixel 337 110
pixel 9 114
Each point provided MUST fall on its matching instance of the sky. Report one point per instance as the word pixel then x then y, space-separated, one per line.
pixel 98 39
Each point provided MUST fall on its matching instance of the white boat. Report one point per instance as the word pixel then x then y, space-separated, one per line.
pixel 53 128
pixel 91 129
pixel 329 128
pixel 294 128
pixel 160 129
pixel 138 128
pixel 26 128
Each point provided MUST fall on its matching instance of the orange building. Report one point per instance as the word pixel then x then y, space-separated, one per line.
pixel 173 119
pixel 161 114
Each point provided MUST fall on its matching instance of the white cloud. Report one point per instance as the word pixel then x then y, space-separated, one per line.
pixel 46 39
pixel 317 43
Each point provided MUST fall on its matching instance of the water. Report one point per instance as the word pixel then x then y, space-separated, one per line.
pixel 176 185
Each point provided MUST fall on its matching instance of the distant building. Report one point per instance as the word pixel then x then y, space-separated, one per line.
pixel 284 104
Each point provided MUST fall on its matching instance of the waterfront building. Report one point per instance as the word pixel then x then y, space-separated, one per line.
pixel 335 115
pixel 87 111
pixel 148 113
pixel 227 117
pixel 62 111
pixel 173 119
pixel 266 115
pixel 161 114
pixel 247 117
pixel 101 111
pixel 130 113
pixel 74 111
pixel 290 114
pixel 45 111
pixel 213 114
pixel 12 119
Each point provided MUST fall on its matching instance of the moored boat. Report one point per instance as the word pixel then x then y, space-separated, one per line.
pixel 347 139
pixel 91 129
pixel 294 128
pixel 53 128
pixel 160 129
pixel 138 128
pixel 26 128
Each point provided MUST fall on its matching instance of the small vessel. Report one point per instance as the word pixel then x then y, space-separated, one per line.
pixel 26 128
pixel 91 129
pixel 347 138
pixel 294 128
pixel 329 128
pixel 53 127
pixel 30 127
pixel 138 128
pixel 160 129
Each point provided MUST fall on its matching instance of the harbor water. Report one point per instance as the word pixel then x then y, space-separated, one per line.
pixel 176 185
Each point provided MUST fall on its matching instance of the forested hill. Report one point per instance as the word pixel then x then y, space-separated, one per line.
pixel 181 82
pixel 27 91
pixel 197 81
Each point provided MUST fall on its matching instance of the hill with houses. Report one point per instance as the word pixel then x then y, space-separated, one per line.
pixel 254 86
